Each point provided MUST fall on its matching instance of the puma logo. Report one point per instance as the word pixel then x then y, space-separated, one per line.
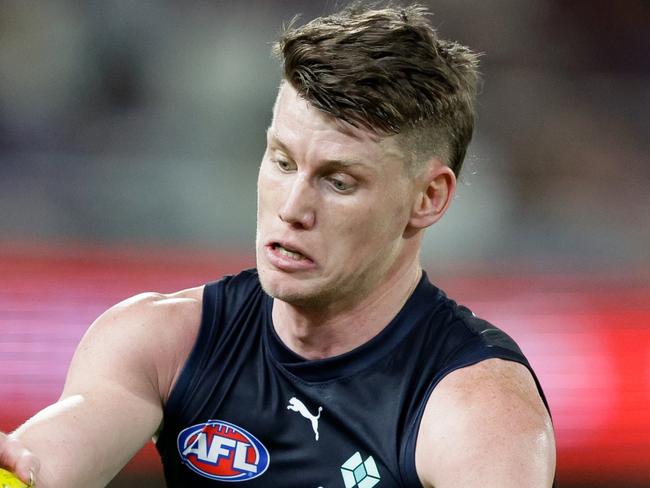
pixel 297 406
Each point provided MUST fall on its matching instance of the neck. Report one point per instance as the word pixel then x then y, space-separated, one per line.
pixel 327 331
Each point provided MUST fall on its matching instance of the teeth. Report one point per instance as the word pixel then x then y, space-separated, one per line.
pixel 290 254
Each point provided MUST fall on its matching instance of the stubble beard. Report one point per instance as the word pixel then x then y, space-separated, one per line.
pixel 327 297
pixel 313 298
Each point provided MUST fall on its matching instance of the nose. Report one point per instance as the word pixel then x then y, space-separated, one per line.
pixel 298 207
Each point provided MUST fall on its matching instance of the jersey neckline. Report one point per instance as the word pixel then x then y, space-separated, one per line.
pixel 423 300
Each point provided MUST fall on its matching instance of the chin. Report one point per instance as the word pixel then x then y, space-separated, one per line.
pixel 290 289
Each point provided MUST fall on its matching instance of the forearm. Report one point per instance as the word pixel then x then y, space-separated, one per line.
pixel 112 400
pixel 85 441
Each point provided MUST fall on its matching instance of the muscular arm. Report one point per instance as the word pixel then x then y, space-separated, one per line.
pixel 486 426
pixel 118 381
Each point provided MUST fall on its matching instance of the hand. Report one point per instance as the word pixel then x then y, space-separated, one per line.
pixel 18 459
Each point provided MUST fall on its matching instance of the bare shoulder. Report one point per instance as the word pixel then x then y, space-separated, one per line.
pixel 486 425
pixel 150 334
pixel 167 314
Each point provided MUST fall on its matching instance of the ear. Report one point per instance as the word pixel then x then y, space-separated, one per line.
pixel 436 186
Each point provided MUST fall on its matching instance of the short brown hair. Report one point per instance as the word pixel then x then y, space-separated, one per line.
pixel 385 69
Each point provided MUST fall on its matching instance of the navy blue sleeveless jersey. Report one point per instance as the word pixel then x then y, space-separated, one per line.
pixel 247 409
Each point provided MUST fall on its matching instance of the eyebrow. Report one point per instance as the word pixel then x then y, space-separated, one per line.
pixel 273 138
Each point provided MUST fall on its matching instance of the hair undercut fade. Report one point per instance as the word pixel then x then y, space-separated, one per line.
pixel 386 70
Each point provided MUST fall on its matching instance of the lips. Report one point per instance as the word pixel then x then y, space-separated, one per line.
pixel 290 250
pixel 288 256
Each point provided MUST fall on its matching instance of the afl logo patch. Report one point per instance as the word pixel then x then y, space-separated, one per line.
pixel 222 451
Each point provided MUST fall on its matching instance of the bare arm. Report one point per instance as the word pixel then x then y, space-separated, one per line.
pixel 118 381
pixel 486 426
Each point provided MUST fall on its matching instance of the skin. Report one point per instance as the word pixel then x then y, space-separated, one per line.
pixel 496 433
pixel 120 376
pixel 342 197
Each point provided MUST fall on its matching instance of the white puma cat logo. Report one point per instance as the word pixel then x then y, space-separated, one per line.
pixel 297 406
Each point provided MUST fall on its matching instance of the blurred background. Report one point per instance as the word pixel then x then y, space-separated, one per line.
pixel 131 132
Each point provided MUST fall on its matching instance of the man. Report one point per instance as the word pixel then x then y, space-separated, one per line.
pixel 336 363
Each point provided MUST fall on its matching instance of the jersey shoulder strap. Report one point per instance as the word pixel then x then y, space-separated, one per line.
pixel 462 339
pixel 223 301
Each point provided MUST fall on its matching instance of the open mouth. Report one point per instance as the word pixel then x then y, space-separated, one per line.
pixel 290 253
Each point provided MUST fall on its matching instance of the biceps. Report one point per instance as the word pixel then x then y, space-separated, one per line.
pixel 496 459
pixel 86 438
pixel 486 426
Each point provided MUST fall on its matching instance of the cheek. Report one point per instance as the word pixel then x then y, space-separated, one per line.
pixel 384 218
pixel 366 230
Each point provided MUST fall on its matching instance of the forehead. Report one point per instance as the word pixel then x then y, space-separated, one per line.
pixel 300 126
